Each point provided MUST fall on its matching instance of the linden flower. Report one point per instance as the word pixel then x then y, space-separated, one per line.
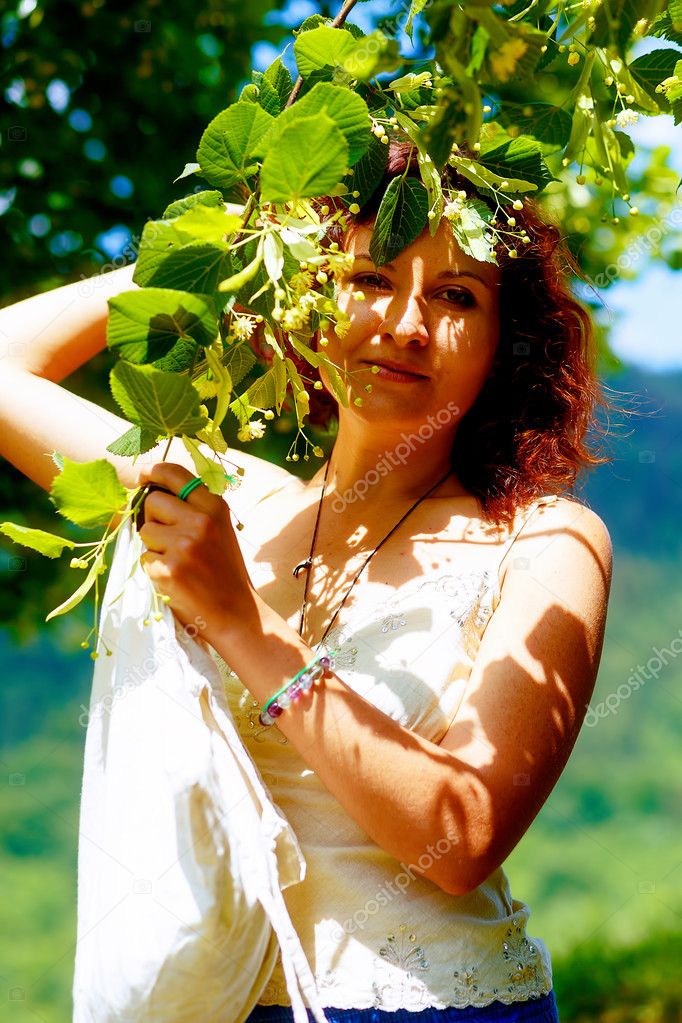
pixel 452 210
pixel 503 62
pixel 252 431
pixel 242 328
pixel 626 117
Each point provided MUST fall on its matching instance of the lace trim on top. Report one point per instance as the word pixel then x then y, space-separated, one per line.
pixel 400 970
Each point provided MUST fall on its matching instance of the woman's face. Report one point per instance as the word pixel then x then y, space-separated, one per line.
pixel 433 309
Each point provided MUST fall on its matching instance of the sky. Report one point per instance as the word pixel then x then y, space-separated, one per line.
pixel 644 313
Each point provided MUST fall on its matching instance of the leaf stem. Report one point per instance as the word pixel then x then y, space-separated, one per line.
pixel 336 23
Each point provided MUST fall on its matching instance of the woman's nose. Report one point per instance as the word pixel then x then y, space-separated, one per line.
pixel 405 319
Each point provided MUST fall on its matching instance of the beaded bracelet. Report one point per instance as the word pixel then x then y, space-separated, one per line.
pixel 300 683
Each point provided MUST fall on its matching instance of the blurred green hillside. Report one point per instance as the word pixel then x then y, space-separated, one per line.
pixel 601 866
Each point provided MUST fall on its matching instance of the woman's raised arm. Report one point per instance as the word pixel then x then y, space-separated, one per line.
pixel 45 338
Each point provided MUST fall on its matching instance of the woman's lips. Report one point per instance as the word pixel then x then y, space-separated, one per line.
pixel 398 376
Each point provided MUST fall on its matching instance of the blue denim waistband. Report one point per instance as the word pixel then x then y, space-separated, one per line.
pixel 536 1010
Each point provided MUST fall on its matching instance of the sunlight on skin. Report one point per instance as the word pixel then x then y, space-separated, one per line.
pixel 435 309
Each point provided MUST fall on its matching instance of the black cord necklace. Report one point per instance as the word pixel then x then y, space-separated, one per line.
pixel 307 564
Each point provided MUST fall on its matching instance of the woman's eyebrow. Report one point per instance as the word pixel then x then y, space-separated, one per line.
pixel 450 275
pixel 445 275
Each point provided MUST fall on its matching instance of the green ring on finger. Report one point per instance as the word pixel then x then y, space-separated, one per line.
pixel 195 482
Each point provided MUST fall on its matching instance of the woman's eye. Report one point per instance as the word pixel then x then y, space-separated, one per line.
pixel 458 297
pixel 369 280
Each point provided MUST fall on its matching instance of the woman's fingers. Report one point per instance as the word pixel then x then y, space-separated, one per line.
pixel 172 478
pixel 155 536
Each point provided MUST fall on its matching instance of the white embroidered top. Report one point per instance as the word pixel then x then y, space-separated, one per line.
pixel 375 933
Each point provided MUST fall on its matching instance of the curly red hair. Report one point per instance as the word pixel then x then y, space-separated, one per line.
pixel 527 432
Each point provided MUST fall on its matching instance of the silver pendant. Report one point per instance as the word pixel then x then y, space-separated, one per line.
pixel 303 564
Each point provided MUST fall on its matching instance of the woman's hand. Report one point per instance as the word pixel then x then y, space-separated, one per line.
pixel 192 551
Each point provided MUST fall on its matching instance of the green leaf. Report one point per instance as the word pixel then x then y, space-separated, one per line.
pixel 485 179
pixel 210 471
pixel 162 240
pixel 88 493
pixel 278 77
pixel 198 266
pixel 642 99
pixel 520 159
pixel 98 566
pixel 145 325
pixel 663 27
pixel 205 198
pixel 286 176
pixel 347 109
pixel 372 55
pixel 246 273
pixel 36 539
pixel 281 381
pixel 479 48
pixel 268 98
pixel 416 7
pixel 401 218
pixel 261 394
pixel 368 171
pixel 238 361
pixel 232 143
pixel 301 396
pixel 322 48
pixel 471 234
pixel 134 441
pixel 458 105
pixel 544 121
pixel 163 403
pixel 652 68
pixel 190 168
pixel 581 126
pixel 314 21
pixel 206 223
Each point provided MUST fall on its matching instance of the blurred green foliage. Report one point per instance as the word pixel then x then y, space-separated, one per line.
pixel 107 99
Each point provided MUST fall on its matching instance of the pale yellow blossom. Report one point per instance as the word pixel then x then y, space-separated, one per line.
pixel 503 62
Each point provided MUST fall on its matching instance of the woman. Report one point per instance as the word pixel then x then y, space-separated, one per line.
pixel 461 658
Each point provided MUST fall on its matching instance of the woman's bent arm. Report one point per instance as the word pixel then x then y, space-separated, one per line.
pixel 45 338
pixel 54 333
